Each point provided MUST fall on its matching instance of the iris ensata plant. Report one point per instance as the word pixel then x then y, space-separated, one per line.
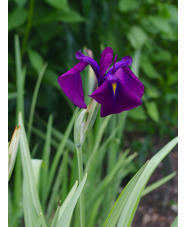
pixel 118 88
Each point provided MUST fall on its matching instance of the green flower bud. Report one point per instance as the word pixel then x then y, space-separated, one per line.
pixel 12 150
pixel 84 122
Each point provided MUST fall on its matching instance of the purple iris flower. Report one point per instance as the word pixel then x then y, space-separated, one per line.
pixel 118 88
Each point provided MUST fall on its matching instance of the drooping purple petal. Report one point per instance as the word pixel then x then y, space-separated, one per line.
pixel 71 84
pixel 106 60
pixel 91 61
pixel 119 92
pixel 125 99
pixel 126 61
pixel 104 95
pixel 128 80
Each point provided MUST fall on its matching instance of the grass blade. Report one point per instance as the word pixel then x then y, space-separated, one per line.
pixel 175 222
pixel 57 183
pixel 158 183
pixel 59 152
pixel 19 108
pixel 19 79
pixel 133 191
pixel 31 203
pixel 46 158
pixel 107 180
pixel 68 199
pixel 56 216
pixel 118 205
pixel 67 214
pixel 36 165
pixel 33 104
pixel 126 204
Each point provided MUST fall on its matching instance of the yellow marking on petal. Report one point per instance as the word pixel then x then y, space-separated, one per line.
pixel 114 85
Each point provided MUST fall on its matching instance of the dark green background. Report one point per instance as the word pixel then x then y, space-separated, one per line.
pixel 53 30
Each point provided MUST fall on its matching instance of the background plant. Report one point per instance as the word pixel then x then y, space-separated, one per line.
pixel 43 37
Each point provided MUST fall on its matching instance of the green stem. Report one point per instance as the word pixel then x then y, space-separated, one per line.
pixel 80 173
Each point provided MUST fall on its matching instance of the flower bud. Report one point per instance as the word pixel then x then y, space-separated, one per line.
pixel 12 150
pixel 84 122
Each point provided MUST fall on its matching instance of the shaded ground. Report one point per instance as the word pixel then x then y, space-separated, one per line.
pixel 159 208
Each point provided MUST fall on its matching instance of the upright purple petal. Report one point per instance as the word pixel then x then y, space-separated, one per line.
pixel 71 84
pixel 126 61
pixel 104 95
pixel 91 61
pixel 106 60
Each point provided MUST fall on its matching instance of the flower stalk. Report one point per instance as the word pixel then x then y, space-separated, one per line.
pixel 84 122
pixel 80 174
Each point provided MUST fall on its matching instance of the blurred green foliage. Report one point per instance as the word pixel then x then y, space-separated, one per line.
pixel 53 30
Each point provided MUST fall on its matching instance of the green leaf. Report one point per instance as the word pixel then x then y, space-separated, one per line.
pixel 152 110
pixel 59 152
pixel 34 99
pixel 158 183
pixel 69 17
pixel 126 204
pixel 46 159
pixel 36 165
pixel 152 92
pixel 59 4
pixel 128 5
pixel 65 218
pixel 123 161
pixel 20 3
pixel 119 204
pixel 173 13
pixel 175 222
pixel 161 23
pixel 137 113
pixel 60 177
pixel 19 79
pixel 31 203
pixel 137 37
pixel 68 199
pixel 136 62
pixel 36 60
pixel 12 95
pixel 17 18
pixel 56 216
pixel 135 195
pixel 148 67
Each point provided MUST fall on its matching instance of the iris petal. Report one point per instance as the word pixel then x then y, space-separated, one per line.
pixel 125 99
pixel 126 61
pixel 118 88
pixel 106 60
pixel 120 96
pixel 71 84
pixel 104 95
pixel 91 61
pixel 128 80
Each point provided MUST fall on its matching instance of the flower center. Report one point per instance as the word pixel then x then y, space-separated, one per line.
pixel 114 85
